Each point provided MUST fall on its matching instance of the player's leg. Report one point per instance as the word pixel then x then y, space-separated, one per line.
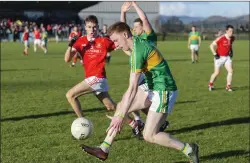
pixel 196 53
pixel 107 101
pixel 162 104
pixel 35 45
pixel 25 47
pixel 229 68
pixel 73 94
pixel 217 64
pixel 192 53
pixel 43 46
pixel 140 102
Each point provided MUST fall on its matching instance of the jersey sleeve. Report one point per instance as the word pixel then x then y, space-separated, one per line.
pixel 218 40
pixel 77 45
pixel 137 58
pixel 110 45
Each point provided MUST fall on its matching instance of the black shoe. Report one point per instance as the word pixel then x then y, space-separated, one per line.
pixel 194 155
pixel 164 126
pixel 137 131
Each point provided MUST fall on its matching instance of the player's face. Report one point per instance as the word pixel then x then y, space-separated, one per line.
pixel 138 29
pixel 230 32
pixel 193 29
pixel 75 29
pixel 120 40
pixel 91 29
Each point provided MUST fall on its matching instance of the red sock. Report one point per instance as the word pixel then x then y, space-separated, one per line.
pixel 228 86
pixel 132 123
pixel 75 59
pixel 210 84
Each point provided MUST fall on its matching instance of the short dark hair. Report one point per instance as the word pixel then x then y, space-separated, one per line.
pixel 194 26
pixel 138 20
pixel 91 18
pixel 105 25
pixel 229 26
pixel 119 27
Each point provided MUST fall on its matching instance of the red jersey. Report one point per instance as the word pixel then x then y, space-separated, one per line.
pixel 37 34
pixel 224 45
pixel 25 36
pixel 79 33
pixel 94 54
pixel 72 34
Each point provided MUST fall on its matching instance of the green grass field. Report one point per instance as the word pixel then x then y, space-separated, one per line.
pixel 36 117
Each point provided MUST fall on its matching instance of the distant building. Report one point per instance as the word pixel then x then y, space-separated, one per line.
pixel 109 12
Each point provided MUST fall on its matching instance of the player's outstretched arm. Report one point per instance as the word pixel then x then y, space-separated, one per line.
pixel 146 25
pixel 129 95
pixel 125 7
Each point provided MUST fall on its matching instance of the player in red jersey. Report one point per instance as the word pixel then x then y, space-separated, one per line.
pixel 93 50
pixel 26 40
pixel 223 56
pixel 37 38
pixel 71 35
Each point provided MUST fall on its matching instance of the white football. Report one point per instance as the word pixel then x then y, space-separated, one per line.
pixel 81 128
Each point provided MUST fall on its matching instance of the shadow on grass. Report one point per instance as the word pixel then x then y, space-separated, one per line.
pixel 179 60
pixel 49 115
pixel 221 155
pixel 31 69
pixel 185 102
pixel 233 121
pixel 234 88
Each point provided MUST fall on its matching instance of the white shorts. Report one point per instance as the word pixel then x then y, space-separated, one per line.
pixel 98 84
pixel 194 47
pixel 223 60
pixel 37 41
pixel 162 101
pixel 26 43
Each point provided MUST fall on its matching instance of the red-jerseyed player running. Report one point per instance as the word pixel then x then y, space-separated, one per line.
pixel 26 40
pixel 76 56
pixel 223 56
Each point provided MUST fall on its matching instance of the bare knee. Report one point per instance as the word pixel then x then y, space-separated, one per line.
pixel 69 96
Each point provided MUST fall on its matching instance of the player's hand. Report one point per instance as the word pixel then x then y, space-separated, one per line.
pixel 73 40
pixel 216 56
pixel 133 3
pixel 115 125
pixel 231 53
pixel 126 6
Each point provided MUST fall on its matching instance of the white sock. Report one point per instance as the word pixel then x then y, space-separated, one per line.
pixel 105 146
pixel 187 149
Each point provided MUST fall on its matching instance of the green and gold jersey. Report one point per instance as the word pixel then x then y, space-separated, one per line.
pixel 147 59
pixel 194 38
pixel 151 37
pixel 45 36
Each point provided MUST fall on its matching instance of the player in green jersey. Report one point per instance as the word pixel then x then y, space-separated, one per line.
pixel 44 40
pixel 146 58
pixel 142 27
pixel 194 42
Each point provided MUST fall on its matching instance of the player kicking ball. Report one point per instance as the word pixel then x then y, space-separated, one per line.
pixel 163 92
pixel 223 57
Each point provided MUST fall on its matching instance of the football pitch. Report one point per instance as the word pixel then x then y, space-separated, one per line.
pixel 36 117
